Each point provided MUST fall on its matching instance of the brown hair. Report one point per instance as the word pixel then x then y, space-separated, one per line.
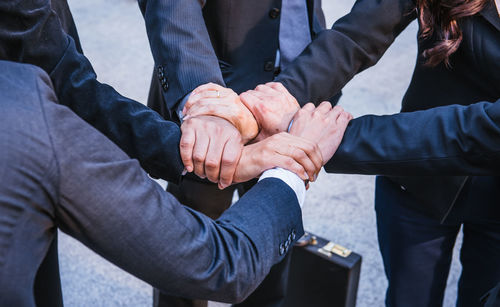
pixel 439 20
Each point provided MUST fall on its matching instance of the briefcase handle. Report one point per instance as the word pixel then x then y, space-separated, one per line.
pixel 328 249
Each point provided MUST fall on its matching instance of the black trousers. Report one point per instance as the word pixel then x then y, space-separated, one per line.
pixel 206 197
pixel 417 250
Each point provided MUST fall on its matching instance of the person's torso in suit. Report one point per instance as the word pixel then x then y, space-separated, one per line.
pixel 473 76
pixel 357 41
pixel 245 38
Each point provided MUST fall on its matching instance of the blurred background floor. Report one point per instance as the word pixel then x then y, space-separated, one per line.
pixel 338 207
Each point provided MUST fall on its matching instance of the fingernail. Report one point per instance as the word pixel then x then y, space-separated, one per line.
pixel 306 176
pixel 222 186
pixel 184 172
pixel 315 177
pixel 184 110
pixel 189 169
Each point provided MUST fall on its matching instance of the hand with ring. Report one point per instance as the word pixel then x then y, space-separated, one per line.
pixel 215 100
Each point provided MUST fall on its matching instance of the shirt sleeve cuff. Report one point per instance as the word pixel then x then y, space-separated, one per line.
pixel 180 107
pixel 291 179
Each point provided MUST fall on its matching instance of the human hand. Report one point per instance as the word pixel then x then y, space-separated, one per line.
pixel 211 147
pixel 323 125
pixel 272 106
pixel 284 150
pixel 213 99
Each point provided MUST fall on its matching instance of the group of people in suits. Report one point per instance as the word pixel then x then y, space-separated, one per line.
pixel 231 86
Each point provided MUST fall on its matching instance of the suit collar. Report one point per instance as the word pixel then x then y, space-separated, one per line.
pixel 490 13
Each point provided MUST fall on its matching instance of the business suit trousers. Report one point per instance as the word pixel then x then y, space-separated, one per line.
pixel 205 197
pixel 417 251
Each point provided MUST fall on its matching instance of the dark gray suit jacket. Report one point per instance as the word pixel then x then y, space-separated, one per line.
pixel 31 32
pixel 461 138
pixel 231 43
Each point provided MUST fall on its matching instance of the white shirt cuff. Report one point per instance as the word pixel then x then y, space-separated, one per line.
pixel 180 107
pixel 291 179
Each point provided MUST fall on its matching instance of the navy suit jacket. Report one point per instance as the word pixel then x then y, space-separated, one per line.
pixel 254 232
pixel 460 138
pixel 231 43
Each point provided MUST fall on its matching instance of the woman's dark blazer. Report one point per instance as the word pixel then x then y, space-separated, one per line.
pixel 460 138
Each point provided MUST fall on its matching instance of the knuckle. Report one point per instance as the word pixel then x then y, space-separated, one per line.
pixel 228 161
pixel 198 158
pixel 211 164
pixel 289 162
pixel 338 108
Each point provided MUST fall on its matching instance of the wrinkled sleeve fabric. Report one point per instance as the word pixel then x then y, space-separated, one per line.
pixel 31 32
pixel 355 42
pixel 181 46
pixel 449 140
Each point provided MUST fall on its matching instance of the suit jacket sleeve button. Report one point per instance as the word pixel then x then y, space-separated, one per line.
pixel 274 13
pixel 164 84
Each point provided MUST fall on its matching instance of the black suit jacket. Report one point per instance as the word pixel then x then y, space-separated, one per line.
pixel 460 138
pixel 231 43
pixel 31 32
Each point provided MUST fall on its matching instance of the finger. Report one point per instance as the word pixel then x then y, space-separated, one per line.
pixel 267 90
pixel 290 164
pixel 309 107
pixel 344 119
pixel 230 158
pixel 196 98
pixel 306 153
pixel 278 86
pixel 206 106
pixel 214 157
pixel 188 139
pixel 282 89
pixel 249 99
pixel 208 87
pixel 324 107
pixel 200 152
pixel 336 111
pixel 313 153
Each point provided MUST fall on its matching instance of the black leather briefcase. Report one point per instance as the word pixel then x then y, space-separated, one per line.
pixel 322 273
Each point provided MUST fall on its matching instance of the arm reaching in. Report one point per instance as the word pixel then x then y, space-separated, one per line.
pixel 212 148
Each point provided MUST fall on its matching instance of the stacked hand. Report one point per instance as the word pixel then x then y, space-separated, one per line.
pixel 218 122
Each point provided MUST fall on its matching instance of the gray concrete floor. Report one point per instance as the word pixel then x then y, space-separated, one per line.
pixel 338 207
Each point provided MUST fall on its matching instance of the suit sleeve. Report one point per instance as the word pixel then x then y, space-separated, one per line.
pixel 355 42
pixel 30 32
pixel 181 46
pixel 449 140
pixel 119 212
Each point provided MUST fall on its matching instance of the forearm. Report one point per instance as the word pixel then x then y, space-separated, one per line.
pixel 450 140
pixel 184 51
pixel 355 42
pixel 30 32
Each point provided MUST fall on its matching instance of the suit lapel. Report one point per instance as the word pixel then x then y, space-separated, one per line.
pixel 490 13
